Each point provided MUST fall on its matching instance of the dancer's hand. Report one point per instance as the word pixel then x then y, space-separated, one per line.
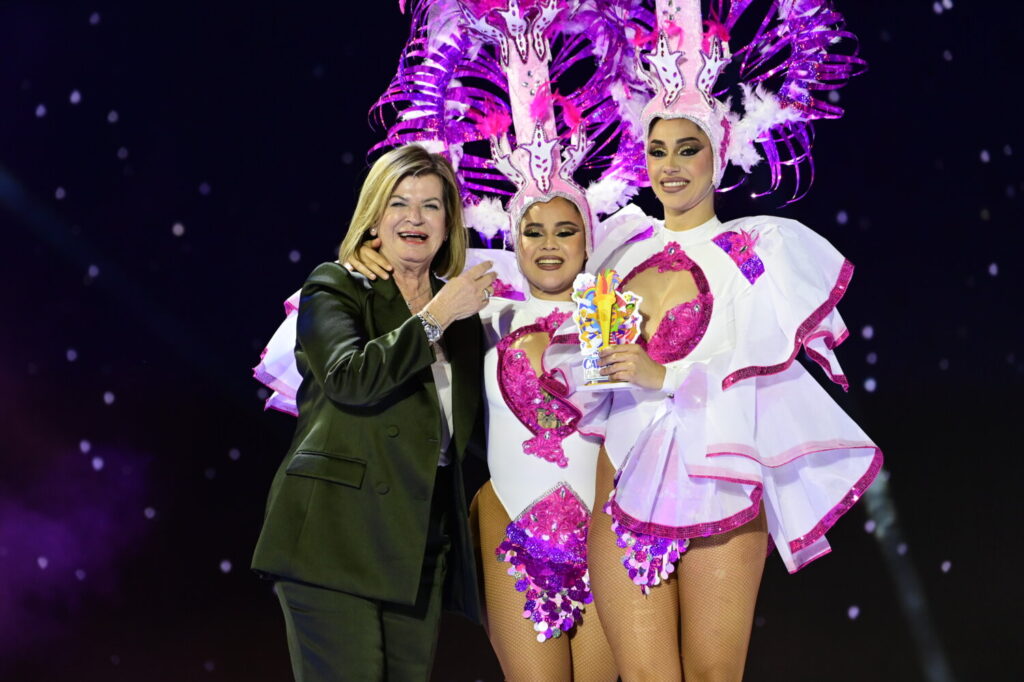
pixel 629 362
pixel 369 261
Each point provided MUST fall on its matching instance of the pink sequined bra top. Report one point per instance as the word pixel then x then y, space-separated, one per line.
pixel 531 398
pixel 683 326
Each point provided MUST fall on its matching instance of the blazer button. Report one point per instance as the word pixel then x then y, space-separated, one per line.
pixel 382 488
pixel 392 431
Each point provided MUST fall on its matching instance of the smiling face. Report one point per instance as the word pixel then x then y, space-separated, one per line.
pixel 681 168
pixel 552 248
pixel 412 228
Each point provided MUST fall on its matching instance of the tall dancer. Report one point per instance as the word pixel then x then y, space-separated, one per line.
pixel 725 446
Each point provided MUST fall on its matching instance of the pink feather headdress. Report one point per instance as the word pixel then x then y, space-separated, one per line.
pixel 485 81
pixel 794 47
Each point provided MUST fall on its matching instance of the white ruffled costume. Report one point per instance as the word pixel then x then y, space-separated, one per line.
pixel 738 422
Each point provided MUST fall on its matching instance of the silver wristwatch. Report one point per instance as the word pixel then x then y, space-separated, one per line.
pixel 430 326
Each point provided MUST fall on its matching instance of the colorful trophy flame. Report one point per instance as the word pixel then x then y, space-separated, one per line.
pixel 605 317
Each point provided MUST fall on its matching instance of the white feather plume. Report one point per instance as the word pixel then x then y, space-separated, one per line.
pixel 761 111
pixel 609 194
pixel 486 217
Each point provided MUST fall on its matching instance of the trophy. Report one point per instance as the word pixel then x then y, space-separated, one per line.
pixel 605 317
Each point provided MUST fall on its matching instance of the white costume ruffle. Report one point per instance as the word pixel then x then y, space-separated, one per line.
pixel 738 422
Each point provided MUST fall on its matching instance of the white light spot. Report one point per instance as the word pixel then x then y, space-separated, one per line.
pixel 204 188
pixel 833 96
pixel 149 513
pixel 97 464
pixel 225 566
pixel 60 193
pixel 177 229
pixel 869 526
pixel 112 116
pixel 40 110
pixel 84 446
pixel 868 332
pixel 122 153
pixel 842 217
pixel 853 612
pixel 71 354
pixel 1007 150
pixel 347 158
pixel 947 55
pixel 209 666
pixel 945 566
pixel 870 385
pixel 985 156
pixel 901 548
pixel 985 214
pixel 948 4
pixel 944 364
pixel 42 562
pixel 75 97
pixel 993 269
pixel 872 358
pixel 234 454
pixel 294 256
pixel 94 19
pixel 262 393
pixel 937 7
pixel 108 398
pixel 94 271
pixel 79 574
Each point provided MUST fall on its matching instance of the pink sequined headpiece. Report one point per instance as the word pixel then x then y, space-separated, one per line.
pixel 488 76
pixel 541 165
pixel 794 48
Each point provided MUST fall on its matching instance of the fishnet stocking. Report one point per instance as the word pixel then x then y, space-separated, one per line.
pixel 583 656
pixel 712 595
pixel 643 631
pixel 718 580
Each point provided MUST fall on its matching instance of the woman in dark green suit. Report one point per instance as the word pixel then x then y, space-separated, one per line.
pixel 365 531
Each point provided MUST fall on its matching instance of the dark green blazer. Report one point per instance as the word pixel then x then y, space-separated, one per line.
pixel 349 505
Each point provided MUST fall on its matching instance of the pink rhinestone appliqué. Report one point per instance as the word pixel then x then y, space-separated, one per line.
pixel 547 549
pixel 740 247
pixel 682 327
pixel 549 420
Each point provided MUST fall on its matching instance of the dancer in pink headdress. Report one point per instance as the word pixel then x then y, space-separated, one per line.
pixel 726 447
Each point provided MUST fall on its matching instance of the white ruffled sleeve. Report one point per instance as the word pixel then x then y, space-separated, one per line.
pixel 791 302
pixel 277 370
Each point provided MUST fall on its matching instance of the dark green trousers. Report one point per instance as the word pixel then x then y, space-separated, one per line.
pixel 336 636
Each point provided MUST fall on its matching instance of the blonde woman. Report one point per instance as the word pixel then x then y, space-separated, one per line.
pixel 366 515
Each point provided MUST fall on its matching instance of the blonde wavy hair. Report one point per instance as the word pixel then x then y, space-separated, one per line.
pixel 385 174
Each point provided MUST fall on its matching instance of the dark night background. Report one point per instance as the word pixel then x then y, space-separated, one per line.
pixel 136 455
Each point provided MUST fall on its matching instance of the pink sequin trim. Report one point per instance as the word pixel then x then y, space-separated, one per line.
pixel 524 394
pixel 547 549
pixel 802 332
pixel 698 529
pixel 844 505
pixel 683 326
pixel 830 343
